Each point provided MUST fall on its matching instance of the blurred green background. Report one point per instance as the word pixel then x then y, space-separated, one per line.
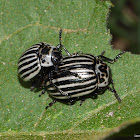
pixel 124 25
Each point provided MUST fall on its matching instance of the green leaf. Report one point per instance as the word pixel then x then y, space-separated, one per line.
pixel 23 114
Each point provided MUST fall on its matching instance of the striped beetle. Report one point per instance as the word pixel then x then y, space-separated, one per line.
pixel 38 60
pixel 93 78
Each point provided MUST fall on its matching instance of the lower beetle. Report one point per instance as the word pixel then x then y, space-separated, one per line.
pixel 80 76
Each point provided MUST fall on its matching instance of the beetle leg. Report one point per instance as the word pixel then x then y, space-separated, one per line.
pixel 114 91
pixel 50 104
pixel 32 88
pixel 66 51
pixel 72 101
pixel 108 59
pixel 95 95
pixel 43 92
pixel 82 100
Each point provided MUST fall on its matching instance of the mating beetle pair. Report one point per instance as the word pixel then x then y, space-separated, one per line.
pixel 67 79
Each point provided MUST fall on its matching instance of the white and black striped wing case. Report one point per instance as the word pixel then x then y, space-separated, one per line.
pixel 28 64
pixel 71 85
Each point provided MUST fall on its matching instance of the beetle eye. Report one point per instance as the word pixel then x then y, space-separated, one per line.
pixel 43 61
pixel 56 57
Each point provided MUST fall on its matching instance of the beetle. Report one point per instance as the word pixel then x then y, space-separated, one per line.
pixel 38 61
pixel 81 76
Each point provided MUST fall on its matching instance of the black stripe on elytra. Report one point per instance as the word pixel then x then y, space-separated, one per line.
pixel 27 63
pixel 77 87
pixel 30 73
pixel 77 93
pixel 29 68
pixel 76 66
pixel 71 81
pixel 66 73
pixel 26 58
pixel 76 61
pixel 29 52
pixel 88 56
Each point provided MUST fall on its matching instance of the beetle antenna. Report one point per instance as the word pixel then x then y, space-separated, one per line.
pixel 60 33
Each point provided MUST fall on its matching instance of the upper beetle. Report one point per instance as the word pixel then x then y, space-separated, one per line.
pixel 38 61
